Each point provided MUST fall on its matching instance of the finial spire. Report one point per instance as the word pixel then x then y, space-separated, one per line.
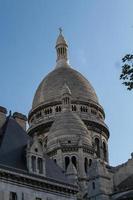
pixel 10 113
pixel 61 30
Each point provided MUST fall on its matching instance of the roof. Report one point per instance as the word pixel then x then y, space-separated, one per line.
pixel 13 141
pixel 50 88
pixel 98 168
pixel 55 172
pixel 126 184
pixel 126 195
pixel 68 125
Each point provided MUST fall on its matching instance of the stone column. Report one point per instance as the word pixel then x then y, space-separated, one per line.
pixel 60 158
pixel 3 113
pixel 82 174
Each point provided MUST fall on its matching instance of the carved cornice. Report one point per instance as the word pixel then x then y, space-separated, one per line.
pixel 37 182
pixel 71 148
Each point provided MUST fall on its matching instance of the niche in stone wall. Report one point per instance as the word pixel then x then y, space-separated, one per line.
pixel 86 164
pixel 97 147
pixel 104 151
pixel 67 161
pixel 74 161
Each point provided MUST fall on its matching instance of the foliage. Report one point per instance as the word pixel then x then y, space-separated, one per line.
pixel 127 71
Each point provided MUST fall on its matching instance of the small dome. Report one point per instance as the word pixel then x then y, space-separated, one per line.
pixel 68 125
pixel 50 88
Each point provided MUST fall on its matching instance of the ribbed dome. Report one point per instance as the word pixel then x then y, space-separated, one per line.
pixel 50 88
pixel 68 125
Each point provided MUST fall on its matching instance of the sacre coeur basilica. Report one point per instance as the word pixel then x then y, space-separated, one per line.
pixel 64 153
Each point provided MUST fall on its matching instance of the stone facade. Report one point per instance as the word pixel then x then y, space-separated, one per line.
pixel 29 188
pixel 65 153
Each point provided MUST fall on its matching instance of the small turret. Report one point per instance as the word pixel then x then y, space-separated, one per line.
pixel 99 180
pixel 66 97
pixel 35 156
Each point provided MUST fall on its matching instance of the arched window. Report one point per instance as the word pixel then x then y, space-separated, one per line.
pixel 97 146
pixel 67 161
pixel 59 51
pixel 74 108
pixel 13 196
pixel 40 165
pixel 104 152
pixel 93 185
pixel 93 111
pixel 86 164
pixel 38 115
pixel 50 110
pixel 84 109
pixel 90 162
pixel 56 109
pixel 66 100
pixel 59 109
pixel 74 161
pixel 33 163
pixel 45 141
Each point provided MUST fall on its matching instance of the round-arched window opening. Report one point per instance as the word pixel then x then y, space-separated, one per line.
pixel 67 161
pixel 50 110
pixel 104 152
pixel 97 147
pixel 33 163
pixel 40 165
pixel 59 109
pixel 90 162
pixel 86 165
pixel 93 185
pixel 74 161
pixel 74 108
pixel 56 109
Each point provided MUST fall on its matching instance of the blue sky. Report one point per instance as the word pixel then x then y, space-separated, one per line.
pixel 99 33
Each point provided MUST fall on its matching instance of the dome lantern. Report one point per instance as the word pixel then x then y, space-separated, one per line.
pixel 61 49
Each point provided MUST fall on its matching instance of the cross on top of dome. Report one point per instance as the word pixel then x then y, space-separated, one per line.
pixel 61 30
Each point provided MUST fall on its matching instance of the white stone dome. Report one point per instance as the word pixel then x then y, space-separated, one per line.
pixel 50 88
pixel 69 126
